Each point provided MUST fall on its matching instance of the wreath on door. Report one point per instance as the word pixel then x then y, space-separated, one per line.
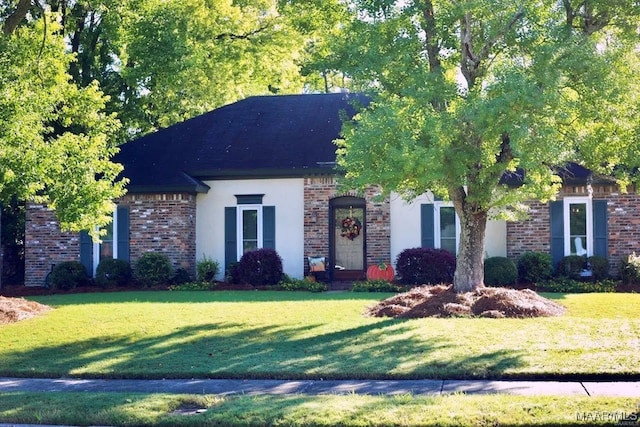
pixel 351 227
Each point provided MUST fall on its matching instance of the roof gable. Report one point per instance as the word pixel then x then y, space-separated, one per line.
pixel 263 136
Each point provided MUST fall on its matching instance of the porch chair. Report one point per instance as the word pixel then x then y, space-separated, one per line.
pixel 318 268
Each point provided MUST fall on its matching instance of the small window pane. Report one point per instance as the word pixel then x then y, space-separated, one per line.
pixel 250 224
pixel 448 229
pixel 578 228
pixel 106 247
pixel 249 230
pixel 448 222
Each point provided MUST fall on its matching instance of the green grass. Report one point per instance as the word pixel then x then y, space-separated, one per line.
pixel 351 410
pixel 303 335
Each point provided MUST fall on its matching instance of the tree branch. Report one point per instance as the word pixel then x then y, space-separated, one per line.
pixel 433 50
pixel 245 36
pixel 13 20
pixel 471 62
pixel 506 153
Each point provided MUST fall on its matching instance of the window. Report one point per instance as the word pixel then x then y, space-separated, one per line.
pixel 106 248
pixel 448 228
pixel 250 228
pixel 440 227
pixel 114 244
pixel 578 226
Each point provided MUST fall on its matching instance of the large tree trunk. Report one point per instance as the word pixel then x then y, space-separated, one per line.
pixel 469 273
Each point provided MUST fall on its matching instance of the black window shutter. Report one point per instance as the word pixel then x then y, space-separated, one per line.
pixel 600 230
pixel 86 252
pixel 230 237
pixel 269 227
pixel 427 229
pixel 123 233
pixel 557 231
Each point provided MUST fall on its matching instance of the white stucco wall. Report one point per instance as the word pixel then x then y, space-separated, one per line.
pixel 405 227
pixel 285 194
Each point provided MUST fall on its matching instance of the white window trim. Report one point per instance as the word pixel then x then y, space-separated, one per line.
pixel 436 224
pixel 567 202
pixel 96 245
pixel 239 237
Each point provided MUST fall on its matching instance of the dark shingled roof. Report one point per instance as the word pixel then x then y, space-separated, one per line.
pixel 263 136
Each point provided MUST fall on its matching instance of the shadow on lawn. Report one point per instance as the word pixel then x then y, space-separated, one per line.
pixel 380 350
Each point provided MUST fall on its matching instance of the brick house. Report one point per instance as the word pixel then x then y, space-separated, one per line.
pixel 260 173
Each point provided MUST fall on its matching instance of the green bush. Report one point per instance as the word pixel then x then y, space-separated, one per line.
pixel 260 267
pixel 599 267
pixel 153 269
pixel 207 269
pixel 376 286
pixel 630 269
pixel 571 266
pixel 193 286
pixel 534 267
pixel 290 284
pixel 500 271
pixel 113 272
pixel 68 275
pixel 570 286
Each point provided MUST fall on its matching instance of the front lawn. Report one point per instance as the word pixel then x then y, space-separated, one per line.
pixel 131 409
pixel 303 335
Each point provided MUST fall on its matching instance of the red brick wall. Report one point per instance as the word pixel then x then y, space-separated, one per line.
pixel 45 244
pixel 318 192
pixel 162 223
pixel 623 223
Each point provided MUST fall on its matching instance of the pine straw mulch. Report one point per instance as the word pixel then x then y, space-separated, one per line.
pixel 442 301
pixel 15 309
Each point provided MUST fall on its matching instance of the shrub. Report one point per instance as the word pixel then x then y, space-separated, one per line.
pixel 232 275
pixel 599 267
pixel 260 267
pixel 113 272
pixel 571 266
pixel 207 269
pixel 375 286
pixel 571 286
pixel 534 267
pixel 630 269
pixel 418 266
pixel 181 276
pixel 69 275
pixel 290 284
pixel 193 286
pixel 153 269
pixel 500 271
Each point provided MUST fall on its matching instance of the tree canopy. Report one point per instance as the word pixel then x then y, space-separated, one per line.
pixel 164 61
pixel 55 138
pixel 466 91
pixel 80 77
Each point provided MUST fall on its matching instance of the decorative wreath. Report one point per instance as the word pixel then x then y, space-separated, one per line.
pixel 351 227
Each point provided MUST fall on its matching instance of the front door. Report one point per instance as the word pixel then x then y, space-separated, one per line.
pixel 347 232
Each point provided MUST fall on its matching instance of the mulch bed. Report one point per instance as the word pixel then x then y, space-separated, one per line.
pixel 443 301
pixel 15 309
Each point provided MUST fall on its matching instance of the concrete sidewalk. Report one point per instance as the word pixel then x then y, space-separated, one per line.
pixel 319 387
